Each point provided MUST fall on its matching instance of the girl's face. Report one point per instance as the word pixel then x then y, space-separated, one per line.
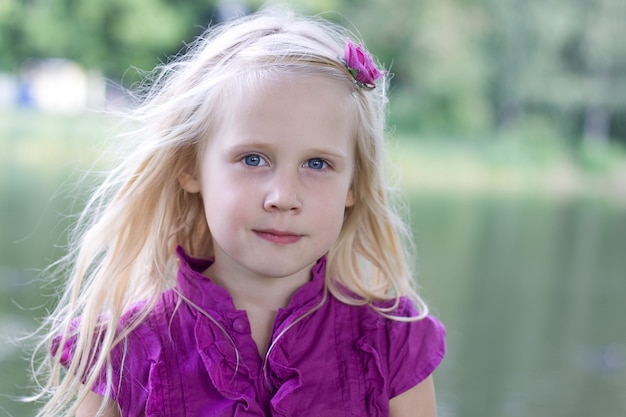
pixel 276 176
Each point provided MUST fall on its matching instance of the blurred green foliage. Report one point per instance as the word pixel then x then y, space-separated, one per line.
pixel 108 35
pixel 460 67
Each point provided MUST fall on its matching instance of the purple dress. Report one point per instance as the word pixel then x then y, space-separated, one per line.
pixel 339 361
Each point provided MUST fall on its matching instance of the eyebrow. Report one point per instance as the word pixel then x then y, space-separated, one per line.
pixel 327 152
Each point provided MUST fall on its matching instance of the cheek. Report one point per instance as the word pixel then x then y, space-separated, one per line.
pixel 226 198
pixel 225 217
pixel 332 204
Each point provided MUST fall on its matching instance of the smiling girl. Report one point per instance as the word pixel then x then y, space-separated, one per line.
pixel 245 260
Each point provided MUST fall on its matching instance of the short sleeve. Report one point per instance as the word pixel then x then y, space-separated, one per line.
pixel 68 353
pixel 126 358
pixel 415 349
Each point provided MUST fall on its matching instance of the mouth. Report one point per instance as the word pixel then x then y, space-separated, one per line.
pixel 279 237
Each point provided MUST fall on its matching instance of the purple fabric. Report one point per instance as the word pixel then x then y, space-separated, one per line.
pixel 339 361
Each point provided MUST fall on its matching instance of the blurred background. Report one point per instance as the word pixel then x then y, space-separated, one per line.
pixel 507 134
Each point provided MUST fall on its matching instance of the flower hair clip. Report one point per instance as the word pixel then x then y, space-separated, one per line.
pixel 360 65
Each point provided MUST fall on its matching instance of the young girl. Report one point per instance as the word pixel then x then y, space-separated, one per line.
pixel 245 259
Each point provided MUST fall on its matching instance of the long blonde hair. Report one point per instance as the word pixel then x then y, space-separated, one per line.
pixel 123 249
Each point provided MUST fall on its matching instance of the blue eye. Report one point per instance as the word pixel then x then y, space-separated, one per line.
pixel 253 160
pixel 316 163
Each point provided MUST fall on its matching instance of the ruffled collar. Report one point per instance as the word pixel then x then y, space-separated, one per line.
pixel 212 297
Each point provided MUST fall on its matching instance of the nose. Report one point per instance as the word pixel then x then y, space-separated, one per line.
pixel 282 194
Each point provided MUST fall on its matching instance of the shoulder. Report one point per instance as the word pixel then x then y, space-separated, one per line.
pixel 403 323
pixel 138 334
pixel 142 326
pixel 411 348
pixel 125 364
pixel 403 318
pixel 142 345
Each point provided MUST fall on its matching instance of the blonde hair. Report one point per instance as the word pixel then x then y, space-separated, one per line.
pixel 123 250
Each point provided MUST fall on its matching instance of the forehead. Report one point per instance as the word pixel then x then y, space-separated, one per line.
pixel 260 87
pixel 288 106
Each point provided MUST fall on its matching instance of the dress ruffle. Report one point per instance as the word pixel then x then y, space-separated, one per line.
pixel 280 374
pixel 224 364
pixel 373 367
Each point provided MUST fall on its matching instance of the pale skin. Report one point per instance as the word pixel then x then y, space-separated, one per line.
pixel 278 176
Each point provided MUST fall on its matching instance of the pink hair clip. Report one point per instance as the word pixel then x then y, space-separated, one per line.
pixel 360 65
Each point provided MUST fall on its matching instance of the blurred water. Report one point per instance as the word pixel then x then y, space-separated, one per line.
pixel 531 291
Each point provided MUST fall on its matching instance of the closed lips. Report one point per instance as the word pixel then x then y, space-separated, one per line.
pixel 278 236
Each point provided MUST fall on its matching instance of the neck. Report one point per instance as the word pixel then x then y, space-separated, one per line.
pixel 259 295
pixel 252 292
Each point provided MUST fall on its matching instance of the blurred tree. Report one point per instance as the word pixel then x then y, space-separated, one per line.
pixel 559 60
pixel 109 35
pixel 432 48
pixel 508 44
pixel 603 52
pixel 11 35
pixel 302 6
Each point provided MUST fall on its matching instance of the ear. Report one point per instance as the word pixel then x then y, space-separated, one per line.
pixel 350 198
pixel 189 182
